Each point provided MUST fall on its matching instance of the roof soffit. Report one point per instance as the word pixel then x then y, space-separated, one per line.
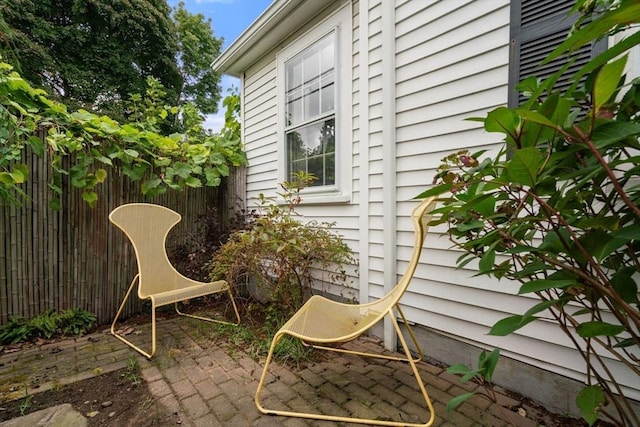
pixel 281 19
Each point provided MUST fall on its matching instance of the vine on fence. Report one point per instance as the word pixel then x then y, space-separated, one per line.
pixel 86 147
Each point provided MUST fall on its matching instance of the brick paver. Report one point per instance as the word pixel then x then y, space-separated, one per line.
pixel 207 386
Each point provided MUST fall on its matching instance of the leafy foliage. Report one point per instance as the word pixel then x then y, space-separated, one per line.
pixel 190 253
pixel 482 375
pixel 281 253
pixel 557 208
pixel 197 48
pixel 84 146
pixel 94 55
pixel 47 325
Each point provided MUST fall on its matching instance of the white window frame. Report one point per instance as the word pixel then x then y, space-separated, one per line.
pixel 340 23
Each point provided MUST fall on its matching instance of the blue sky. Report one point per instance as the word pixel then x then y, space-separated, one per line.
pixel 229 18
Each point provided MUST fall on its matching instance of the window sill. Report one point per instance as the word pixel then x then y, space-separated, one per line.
pixel 321 198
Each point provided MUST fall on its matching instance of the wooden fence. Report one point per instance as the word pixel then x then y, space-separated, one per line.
pixel 75 257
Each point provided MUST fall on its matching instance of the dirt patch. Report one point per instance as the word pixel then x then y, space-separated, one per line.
pixel 118 398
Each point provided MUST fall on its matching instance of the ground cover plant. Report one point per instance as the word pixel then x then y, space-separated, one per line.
pixel 556 209
pixel 50 324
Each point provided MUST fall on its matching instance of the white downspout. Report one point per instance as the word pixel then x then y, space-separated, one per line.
pixel 363 143
pixel 389 160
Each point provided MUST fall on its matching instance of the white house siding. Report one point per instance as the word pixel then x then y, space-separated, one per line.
pixel 452 64
pixel 259 128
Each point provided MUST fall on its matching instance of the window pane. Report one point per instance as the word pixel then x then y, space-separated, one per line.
pixel 327 94
pixel 316 167
pixel 310 82
pixel 311 65
pixel 311 101
pixel 294 74
pixel 327 55
pixel 311 149
pixel 294 107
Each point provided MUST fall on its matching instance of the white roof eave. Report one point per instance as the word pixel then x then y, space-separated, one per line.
pixel 279 20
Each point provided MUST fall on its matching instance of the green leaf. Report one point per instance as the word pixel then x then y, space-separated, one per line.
pixel 458 400
pixel 612 51
pixel 150 184
pixel 612 132
pixel 459 369
pixel 131 153
pixel 535 117
pixel 183 170
pixel 20 173
pixel 597 329
pixel 628 12
pixel 193 182
pixel 489 363
pixel 37 145
pixel 510 324
pixel 435 191
pixel 101 175
pixel 541 306
pixel 624 284
pixel 524 166
pixel 545 284
pixel 503 120
pixel 471 225
pixel 589 400
pixel 91 197
pixel 6 178
pixel 629 342
pixel 54 204
pixel 607 82
pixel 600 244
pixel 488 260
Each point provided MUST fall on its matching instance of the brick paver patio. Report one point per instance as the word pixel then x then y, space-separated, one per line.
pixel 207 385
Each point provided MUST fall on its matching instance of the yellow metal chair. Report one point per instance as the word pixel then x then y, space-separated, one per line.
pixel 321 321
pixel 147 226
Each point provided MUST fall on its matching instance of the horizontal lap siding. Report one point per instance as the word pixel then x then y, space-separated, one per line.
pixel 260 124
pixel 261 139
pixel 452 64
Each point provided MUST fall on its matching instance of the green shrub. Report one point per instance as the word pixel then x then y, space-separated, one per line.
pixel 281 253
pixel 557 209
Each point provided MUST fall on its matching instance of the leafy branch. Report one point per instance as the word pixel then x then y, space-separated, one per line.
pixel 556 209
pixel 86 147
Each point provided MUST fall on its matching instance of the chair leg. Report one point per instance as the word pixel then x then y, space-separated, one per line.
pixel 382 356
pixel 414 368
pixel 334 418
pixel 209 319
pixel 153 324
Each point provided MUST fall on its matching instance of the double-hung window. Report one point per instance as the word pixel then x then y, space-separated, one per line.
pixel 314 98
pixel 310 88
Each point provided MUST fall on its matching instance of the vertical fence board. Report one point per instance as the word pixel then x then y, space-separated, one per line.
pixel 75 257
pixel 4 259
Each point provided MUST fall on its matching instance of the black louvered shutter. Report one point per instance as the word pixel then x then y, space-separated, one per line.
pixel 537 28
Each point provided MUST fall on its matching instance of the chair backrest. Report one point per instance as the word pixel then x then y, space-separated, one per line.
pixel 147 226
pixel 420 216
